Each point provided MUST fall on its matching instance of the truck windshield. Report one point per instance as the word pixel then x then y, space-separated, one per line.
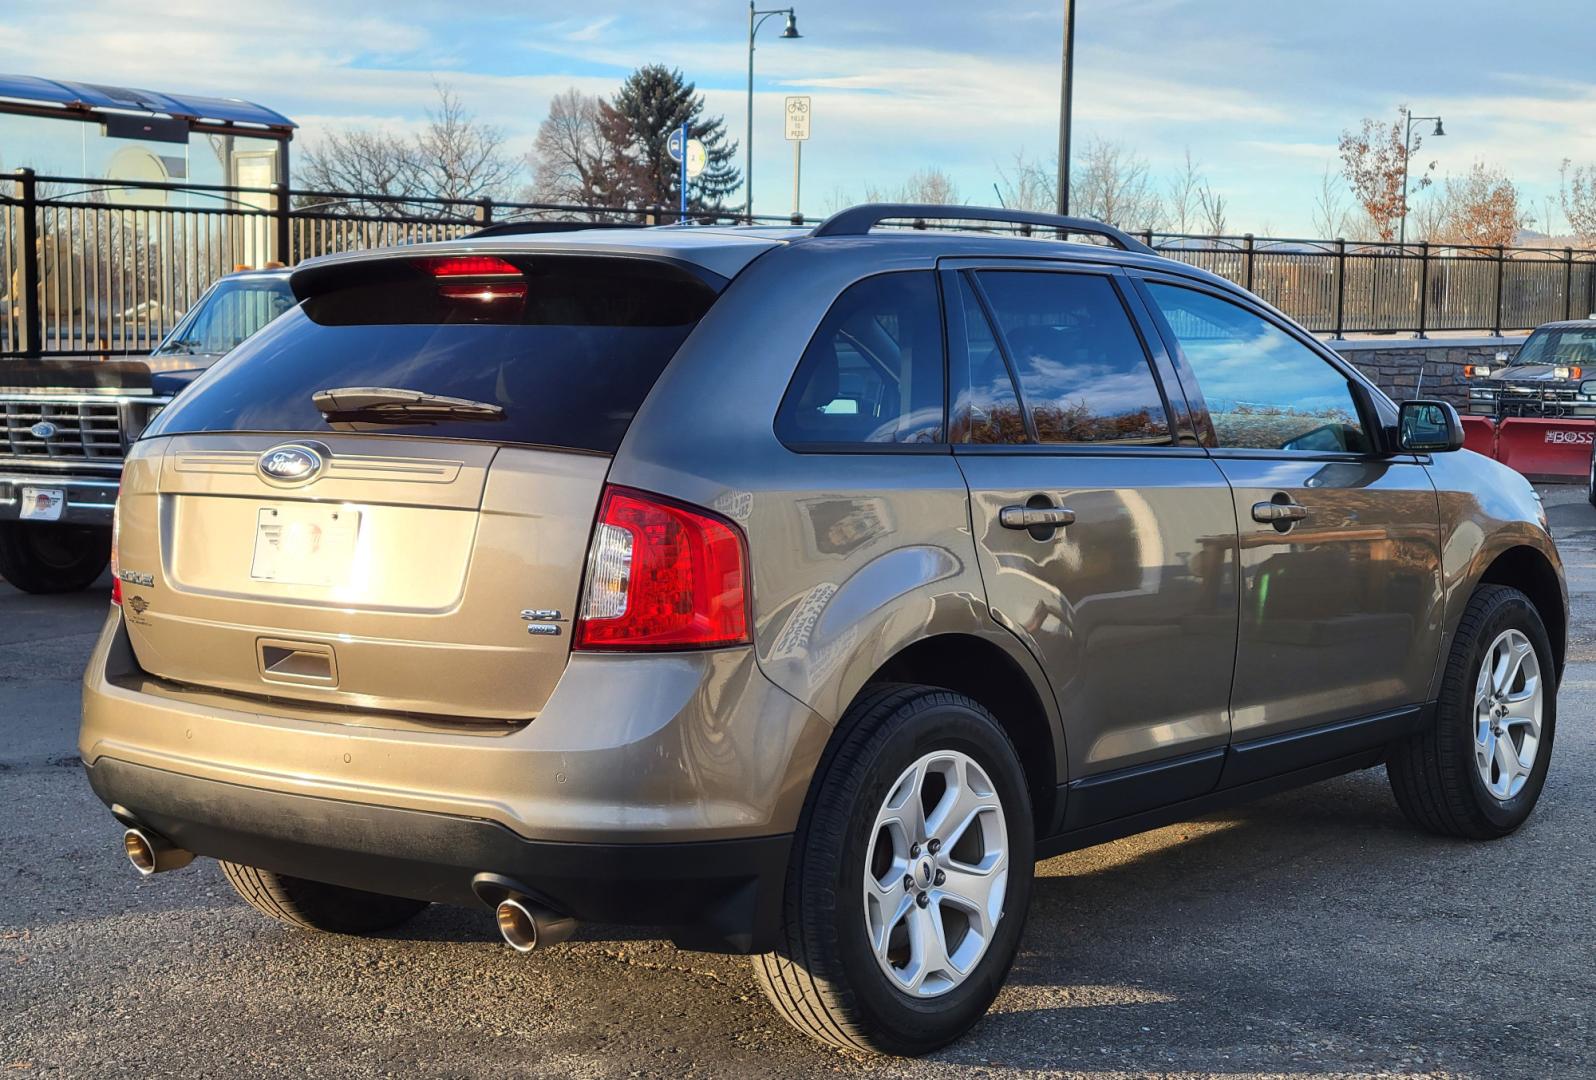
pixel 230 312
pixel 1569 346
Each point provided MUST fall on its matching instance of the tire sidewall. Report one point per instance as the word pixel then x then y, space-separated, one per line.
pixel 884 1007
pixel 1512 612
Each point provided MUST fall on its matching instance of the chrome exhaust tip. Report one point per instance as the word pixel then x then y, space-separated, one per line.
pixel 150 854
pixel 526 926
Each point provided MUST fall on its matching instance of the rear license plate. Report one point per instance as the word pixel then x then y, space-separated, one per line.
pixel 42 504
pixel 305 545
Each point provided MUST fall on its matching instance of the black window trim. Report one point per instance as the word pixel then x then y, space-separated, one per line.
pixel 940 446
pixel 971 266
pixel 1192 386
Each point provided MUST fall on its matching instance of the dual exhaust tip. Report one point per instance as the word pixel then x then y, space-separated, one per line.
pixel 524 924
pixel 151 854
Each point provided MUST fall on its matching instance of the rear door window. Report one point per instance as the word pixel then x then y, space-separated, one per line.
pixel 567 347
pixel 873 373
pixel 1082 371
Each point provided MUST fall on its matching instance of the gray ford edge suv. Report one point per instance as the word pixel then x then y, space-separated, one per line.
pixel 794 589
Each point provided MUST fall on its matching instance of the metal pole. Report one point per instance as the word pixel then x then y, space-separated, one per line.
pixel 681 214
pixel 1501 269
pixel 33 318
pixel 282 237
pixel 1568 283
pixel 1407 142
pixel 748 143
pixel 1341 287
pixel 1066 93
pixel 1249 257
pixel 1424 286
pixel 797 174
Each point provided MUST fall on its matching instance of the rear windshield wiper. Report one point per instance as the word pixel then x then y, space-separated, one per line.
pixel 387 401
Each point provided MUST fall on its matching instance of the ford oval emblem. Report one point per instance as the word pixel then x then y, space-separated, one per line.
pixel 291 464
pixel 43 430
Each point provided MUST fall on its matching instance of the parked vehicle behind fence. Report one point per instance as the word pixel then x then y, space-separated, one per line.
pixel 68 423
pixel 794 589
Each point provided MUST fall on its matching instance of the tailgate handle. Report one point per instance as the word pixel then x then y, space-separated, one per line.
pixel 306 663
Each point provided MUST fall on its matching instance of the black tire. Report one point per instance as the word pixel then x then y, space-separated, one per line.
pixel 313 905
pixel 1590 481
pixel 52 558
pixel 824 978
pixel 1433 773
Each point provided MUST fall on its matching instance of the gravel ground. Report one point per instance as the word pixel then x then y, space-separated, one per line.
pixel 1311 934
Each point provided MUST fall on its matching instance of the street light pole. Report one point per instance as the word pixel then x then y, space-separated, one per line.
pixel 1407 152
pixel 756 19
pixel 1066 93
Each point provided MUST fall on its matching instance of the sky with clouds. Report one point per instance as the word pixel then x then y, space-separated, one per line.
pixel 1258 91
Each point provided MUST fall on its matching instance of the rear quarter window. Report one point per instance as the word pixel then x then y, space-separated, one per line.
pixel 569 362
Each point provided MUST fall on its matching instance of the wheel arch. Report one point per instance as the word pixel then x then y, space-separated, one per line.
pixel 1528 570
pixel 982 670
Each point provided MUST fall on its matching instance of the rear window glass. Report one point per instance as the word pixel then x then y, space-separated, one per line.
pixel 872 374
pixel 567 359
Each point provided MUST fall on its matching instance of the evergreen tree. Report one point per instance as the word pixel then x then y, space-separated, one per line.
pixel 651 103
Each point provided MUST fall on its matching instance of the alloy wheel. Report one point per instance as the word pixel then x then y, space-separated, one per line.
pixel 1507 714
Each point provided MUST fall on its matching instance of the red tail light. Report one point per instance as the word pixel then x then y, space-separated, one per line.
pixel 116 541
pixel 662 576
pixel 449 266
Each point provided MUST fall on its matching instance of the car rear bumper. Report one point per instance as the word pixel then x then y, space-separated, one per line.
pixel 719 895
pixel 655 790
pixel 88 502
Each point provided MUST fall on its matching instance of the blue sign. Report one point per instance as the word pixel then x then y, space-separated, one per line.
pixel 678 139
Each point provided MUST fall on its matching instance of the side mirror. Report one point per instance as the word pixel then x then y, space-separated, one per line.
pixel 1428 427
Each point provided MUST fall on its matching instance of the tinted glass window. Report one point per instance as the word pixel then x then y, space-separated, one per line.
pixel 985 409
pixel 1567 347
pixel 228 314
pixel 873 372
pixel 1265 390
pixel 1083 373
pixel 568 351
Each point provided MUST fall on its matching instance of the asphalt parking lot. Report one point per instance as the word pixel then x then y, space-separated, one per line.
pixel 1311 934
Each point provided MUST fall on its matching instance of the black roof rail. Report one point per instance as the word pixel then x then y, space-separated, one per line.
pixel 513 228
pixel 859 220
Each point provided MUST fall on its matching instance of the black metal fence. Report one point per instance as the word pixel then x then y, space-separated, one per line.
pixel 92 267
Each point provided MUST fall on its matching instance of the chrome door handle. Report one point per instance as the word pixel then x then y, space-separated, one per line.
pixel 1027 517
pixel 1271 512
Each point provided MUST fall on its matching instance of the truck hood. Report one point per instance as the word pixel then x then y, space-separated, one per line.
pixel 162 376
pixel 1523 373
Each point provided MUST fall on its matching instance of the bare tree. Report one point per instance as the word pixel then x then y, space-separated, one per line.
pixel 1374 160
pixel 1578 196
pixel 1330 217
pixel 1029 184
pixel 571 160
pixel 1428 218
pixel 1183 202
pixel 1112 184
pixel 1212 206
pixel 929 185
pixel 455 156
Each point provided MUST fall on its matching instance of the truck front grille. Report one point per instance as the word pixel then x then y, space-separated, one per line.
pixel 62 430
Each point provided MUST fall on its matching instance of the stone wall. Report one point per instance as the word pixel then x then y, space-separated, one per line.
pixel 1394 363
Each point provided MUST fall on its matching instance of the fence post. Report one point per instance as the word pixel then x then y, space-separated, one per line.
pixel 485 211
pixel 32 286
pixel 1249 255
pixel 280 213
pixel 1424 286
pixel 1147 237
pixel 1568 283
pixel 1341 287
pixel 1501 271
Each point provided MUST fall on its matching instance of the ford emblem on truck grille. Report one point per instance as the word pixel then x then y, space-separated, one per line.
pixel 43 430
pixel 291 464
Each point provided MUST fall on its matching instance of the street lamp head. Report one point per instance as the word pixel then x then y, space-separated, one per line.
pixel 1438 129
pixel 792 25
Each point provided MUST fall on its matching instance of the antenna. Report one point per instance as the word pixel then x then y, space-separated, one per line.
pixel 999 195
